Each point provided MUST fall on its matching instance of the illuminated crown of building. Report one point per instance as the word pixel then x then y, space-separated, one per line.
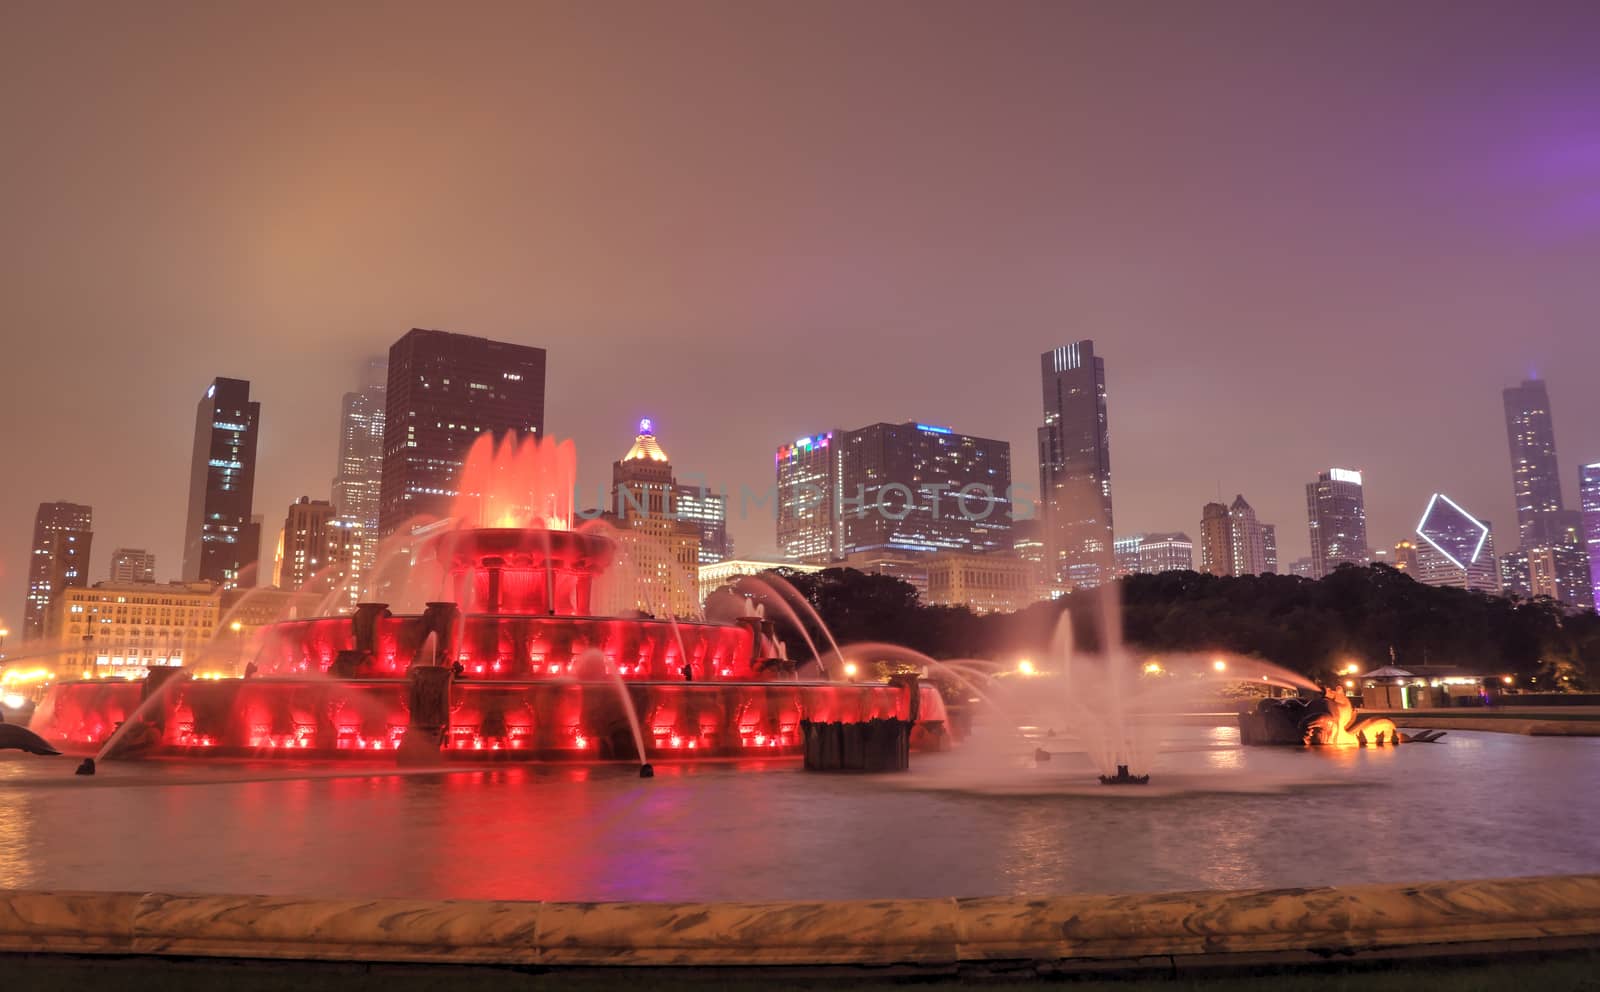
pixel 644 445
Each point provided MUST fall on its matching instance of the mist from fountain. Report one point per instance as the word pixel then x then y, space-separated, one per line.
pixel 794 603
pixel 756 586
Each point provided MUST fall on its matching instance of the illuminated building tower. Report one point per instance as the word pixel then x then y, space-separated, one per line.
pixel 808 485
pixel 1126 553
pixel 62 534
pixel 1075 465
pixel 1336 513
pixel 132 565
pixel 1248 544
pixel 1303 568
pixel 1170 552
pixel 659 553
pixel 1456 549
pixel 1269 549
pixel 1027 543
pixel 918 487
pixel 709 512
pixel 221 540
pixel 1589 497
pixel 443 391
pixel 1405 557
pixel 1535 472
pixel 1216 540
pixel 304 544
pixel 358 480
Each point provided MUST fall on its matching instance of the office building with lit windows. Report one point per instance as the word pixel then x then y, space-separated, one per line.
pixel 358 476
pixel 921 487
pixel 658 567
pixel 808 483
pixel 1336 516
pixel 1166 552
pixel 983 583
pixel 1542 518
pixel 443 391
pixel 1589 499
pixel 1125 551
pixel 222 543
pixel 132 565
pixel 1454 549
pixel 123 629
pixel 58 559
pixel 1075 465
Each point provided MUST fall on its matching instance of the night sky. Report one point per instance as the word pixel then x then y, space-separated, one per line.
pixel 1301 235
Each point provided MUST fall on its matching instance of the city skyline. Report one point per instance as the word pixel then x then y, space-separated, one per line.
pixel 299 278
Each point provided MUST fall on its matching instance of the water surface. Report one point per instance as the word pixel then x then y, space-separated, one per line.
pixel 1216 816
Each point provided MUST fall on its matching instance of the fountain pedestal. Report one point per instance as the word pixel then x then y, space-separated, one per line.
pixel 428 700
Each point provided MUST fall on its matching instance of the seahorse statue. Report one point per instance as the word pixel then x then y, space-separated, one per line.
pixel 1340 728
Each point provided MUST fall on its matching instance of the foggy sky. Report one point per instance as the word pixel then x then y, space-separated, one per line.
pixel 1301 235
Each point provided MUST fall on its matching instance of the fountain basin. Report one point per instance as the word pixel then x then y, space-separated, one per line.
pixel 323 718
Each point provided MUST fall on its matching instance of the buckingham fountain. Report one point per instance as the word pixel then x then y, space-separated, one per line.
pixel 507 661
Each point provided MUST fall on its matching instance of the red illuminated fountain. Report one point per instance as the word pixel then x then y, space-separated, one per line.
pixel 509 663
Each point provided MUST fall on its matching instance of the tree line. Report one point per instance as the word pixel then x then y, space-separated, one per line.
pixel 1369 616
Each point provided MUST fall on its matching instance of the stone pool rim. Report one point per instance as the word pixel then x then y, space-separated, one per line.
pixel 1070 931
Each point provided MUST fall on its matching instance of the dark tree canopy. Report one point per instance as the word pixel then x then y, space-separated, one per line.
pixel 1372 616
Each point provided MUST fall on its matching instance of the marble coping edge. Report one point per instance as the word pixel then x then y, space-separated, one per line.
pixel 1340 920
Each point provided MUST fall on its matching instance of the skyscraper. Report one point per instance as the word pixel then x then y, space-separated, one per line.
pixel 1126 553
pixel 1535 471
pixel 1336 513
pixel 808 483
pixel 62 534
pixel 1457 549
pixel 1589 498
pixel 1269 546
pixel 443 391
pixel 304 551
pixel 132 565
pixel 709 512
pixel 1216 540
pixel 358 479
pixel 1249 546
pixel 919 487
pixel 659 552
pixel 1075 465
pixel 221 542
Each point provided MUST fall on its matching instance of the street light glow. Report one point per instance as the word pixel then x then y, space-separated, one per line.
pixel 1025 666
pixel 1219 665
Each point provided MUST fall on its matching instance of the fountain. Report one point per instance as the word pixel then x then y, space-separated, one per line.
pixel 507 660
pixel 1328 719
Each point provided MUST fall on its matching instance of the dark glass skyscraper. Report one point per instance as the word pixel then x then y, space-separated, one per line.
pixel 1542 520
pixel 220 540
pixel 1075 465
pixel 918 487
pixel 62 533
pixel 443 391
